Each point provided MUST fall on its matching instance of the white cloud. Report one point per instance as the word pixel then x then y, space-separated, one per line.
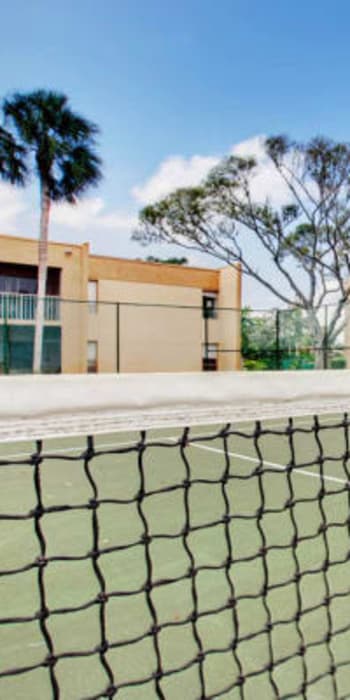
pixel 174 172
pixel 177 171
pixel 267 183
pixel 250 147
pixel 109 229
pixel 12 206
pixel 89 215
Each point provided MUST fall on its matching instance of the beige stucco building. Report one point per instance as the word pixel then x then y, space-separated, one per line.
pixel 111 314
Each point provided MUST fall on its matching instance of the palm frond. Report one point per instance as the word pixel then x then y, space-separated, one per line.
pixel 13 168
pixel 80 170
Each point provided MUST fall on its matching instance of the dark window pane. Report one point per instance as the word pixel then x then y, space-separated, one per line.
pixel 22 279
pixel 92 356
pixel 209 306
pixel 17 344
pixel 209 364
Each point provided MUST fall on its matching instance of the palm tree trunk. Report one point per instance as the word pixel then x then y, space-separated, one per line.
pixel 42 276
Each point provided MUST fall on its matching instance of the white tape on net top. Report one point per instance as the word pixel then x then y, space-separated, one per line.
pixel 34 407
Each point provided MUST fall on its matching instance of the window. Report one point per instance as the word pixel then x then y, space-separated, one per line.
pixel 17 285
pixel 209 303
pixel 92 296
pixel 210 357
pixel 92 356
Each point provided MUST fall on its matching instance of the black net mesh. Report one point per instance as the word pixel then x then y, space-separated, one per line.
pixel 200 565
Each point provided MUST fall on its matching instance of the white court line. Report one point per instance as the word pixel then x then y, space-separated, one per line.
pixel 274 465
pixel 107 445
pixel 78 448
pixel 271 424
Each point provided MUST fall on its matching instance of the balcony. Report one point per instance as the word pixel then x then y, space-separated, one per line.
pixel 22 307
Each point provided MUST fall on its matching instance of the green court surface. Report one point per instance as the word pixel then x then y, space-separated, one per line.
pixel 289 538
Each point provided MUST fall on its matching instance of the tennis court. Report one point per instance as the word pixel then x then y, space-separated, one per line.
pixel 174 564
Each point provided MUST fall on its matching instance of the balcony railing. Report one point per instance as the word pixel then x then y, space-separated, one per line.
pixel 22 307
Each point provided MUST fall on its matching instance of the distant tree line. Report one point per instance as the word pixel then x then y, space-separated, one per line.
pixel 167 261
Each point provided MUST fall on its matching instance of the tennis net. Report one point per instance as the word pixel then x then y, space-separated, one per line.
pixel 169 536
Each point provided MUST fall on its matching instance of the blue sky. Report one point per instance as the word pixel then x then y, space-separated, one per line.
pixel 173 86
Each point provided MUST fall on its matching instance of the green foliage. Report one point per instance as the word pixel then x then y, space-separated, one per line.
pixel 167 261
pixel 45 133
pixel 283 339
pixel 338 361
pixel 12 165
pixel 258 340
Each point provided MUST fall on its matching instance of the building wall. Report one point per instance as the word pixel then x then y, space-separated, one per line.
pixel 225 329
pixel 118 269
pixel 73 263
pixel 162 339
pixel 229 320
pixel 151 338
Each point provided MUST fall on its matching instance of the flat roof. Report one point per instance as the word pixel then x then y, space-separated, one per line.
pixel 109 257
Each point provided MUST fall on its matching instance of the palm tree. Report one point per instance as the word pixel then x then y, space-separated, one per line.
pixel 58 146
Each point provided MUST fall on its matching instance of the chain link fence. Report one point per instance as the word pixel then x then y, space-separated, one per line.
pixel 295 338
pixel 95 336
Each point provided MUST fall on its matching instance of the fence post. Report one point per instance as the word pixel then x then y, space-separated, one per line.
pixel 117 338
pixel 6 341
pixel 206 336
pixel 278 348
pixel 325 338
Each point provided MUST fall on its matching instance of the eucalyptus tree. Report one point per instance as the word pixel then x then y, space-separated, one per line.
pixel 303 233
pixel 48 140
